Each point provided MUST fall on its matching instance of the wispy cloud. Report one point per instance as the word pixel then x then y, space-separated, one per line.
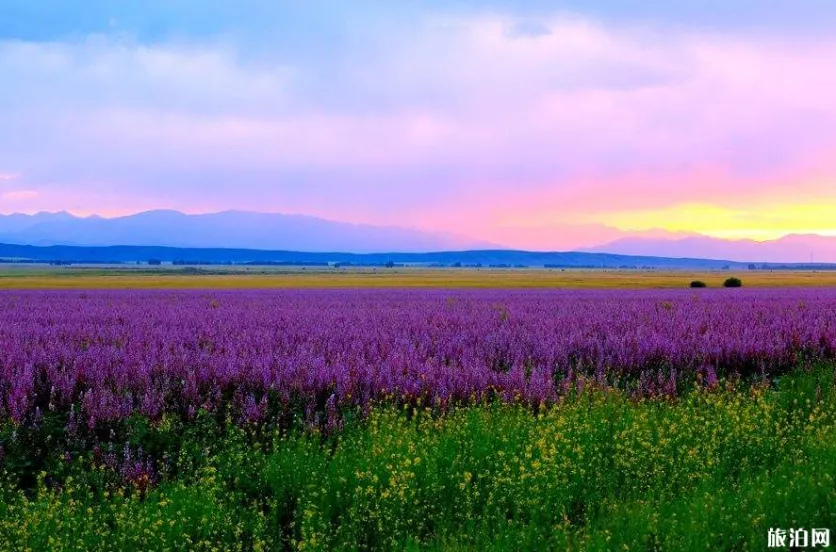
pixel 18 195
pixel 462 122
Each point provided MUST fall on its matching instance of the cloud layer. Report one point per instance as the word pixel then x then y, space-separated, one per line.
pixel 518 127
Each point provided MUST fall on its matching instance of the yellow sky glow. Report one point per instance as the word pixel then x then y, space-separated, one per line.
pixel 758 223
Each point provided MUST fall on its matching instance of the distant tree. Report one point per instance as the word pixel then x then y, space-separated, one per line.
pixel 698 284
pixel 733 283
pixel 154 262
pixel 753 266
pixel 390 264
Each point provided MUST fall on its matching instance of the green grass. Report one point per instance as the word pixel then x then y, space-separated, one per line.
pixel 713 470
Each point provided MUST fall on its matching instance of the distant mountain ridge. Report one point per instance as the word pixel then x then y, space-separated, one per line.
pixel 243 230
pixel 794 248
pixel 228 229
pixel 486 258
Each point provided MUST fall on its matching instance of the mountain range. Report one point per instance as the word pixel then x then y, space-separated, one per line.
pixel 244 230
pixel 228 229
pixel 501 258
pixel 794 248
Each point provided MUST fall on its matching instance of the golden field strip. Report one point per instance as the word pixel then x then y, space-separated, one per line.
pixel 69 278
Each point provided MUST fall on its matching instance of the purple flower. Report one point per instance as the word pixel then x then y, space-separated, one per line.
pixel 314 353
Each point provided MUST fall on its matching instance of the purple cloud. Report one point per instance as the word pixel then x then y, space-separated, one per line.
pixel 451 120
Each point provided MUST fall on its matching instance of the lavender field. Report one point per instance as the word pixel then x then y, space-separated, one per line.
pixel 110 354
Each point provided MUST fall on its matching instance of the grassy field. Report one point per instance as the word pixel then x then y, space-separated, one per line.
pixel 219 278
pixel 712 470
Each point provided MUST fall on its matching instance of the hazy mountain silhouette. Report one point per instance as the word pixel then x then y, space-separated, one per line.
pixel 269 231
pixel 796 248
pixel 228 229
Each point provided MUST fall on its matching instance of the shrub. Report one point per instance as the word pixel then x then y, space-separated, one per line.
pixel 733 283
pixel 698 284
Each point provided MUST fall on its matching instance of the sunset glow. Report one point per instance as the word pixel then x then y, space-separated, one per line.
pixel 555 127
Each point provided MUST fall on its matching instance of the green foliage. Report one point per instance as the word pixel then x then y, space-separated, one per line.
pixel 602 471
pixel 698 284
pixel 733 282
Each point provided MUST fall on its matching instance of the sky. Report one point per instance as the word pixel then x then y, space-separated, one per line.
pixel 536 124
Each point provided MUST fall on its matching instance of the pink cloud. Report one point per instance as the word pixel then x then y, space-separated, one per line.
pixel 19 195
pixel 457 125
